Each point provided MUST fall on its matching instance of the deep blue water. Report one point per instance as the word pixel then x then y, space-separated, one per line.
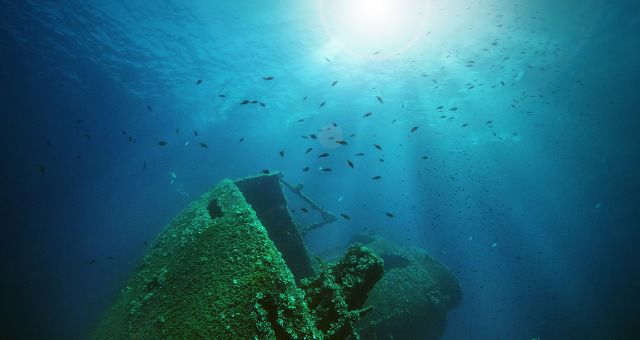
pixel 536 212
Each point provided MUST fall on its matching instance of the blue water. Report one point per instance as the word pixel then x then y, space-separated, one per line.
pixel 536 213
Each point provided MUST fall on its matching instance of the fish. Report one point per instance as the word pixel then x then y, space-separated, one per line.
pixel 195 133
pixel 149 108
pixel 489 122
pixel 502 82
pixel 162 143
pixel 268 78
pixel 78 157
pixel 367 114
pixel 308 150
pixel 281 153
pixel 79 121
pixel 130 139
pixel 300 120
pixel 325 169
pixel 377 146
pixel 92 261
pixel 266 172
pixel 376 177
pixel 360 154
pixel 124 132
pixel 305 169
pixel 334 124
pixel 327 59
pixel 305 98
pixel 254 101
pixel 443 116
pixel 49 143
pixel 245 102
pixel 381 160
pixel 350 163
pixel 324 155
pixel 413 129
pixel 453 109
pixel 440 107
pixel 222 96
pixel 144 165
pixel 341 142
pixel 322 104
pixel 263 104
pixel 334 83
pixel 425 157
pixel 345 216
pixel 199 81
pixel 312 136
pixel 87 136
pixel 464 125
pixel 241 139
pixel 389 214
pixel 42 169
pixel 380 99
pixel 305 210
pixel 204 145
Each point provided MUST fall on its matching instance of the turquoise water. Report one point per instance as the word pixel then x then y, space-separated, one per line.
pixel 507 133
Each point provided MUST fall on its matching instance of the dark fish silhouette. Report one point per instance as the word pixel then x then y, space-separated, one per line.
pixel 367 114
pixel 323 155
pixel 87 136
pixel 144 165
pixel 222 96
pixel 453 109
pixel 281 153
pixel 241 139
pixel 263 104
pixel 381 160
pixel 389 214
pixel 268 78
pixel 266 172
pixel 149 108
pixel 92 261
pixel 380 99
pixel 440 107
pixel 413 129
pixel 325 169
pixel 313 136
pixel 305 98
pixel 177 131
pixel 377 146
pixel 124 132
pixel 300 120
pixel 199 82
pixel 350 163
pixel 195 133
pixel 79 121
pixel 341 142
pixel 245 102
pixel 305 169
pixel 42 169
pixel 322 104
pixel 375 177
pixel 464 125
pixel 345 216
pixel 360 154
pixel 254 101
pixel 489 122
pixel 308 150
pixel 162 143
pixel 334 124
pixel 204 145
pixel 425 157
pixel 304 210
pixel 334 83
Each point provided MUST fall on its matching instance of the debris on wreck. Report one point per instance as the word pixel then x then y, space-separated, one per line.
pixel 233 265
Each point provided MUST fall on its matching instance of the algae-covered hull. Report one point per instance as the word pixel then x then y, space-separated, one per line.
pixel 215 273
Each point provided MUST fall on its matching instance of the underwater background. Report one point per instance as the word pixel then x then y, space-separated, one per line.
pixel 506 132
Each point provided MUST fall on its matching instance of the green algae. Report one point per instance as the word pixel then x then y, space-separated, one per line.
pixel 206 277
